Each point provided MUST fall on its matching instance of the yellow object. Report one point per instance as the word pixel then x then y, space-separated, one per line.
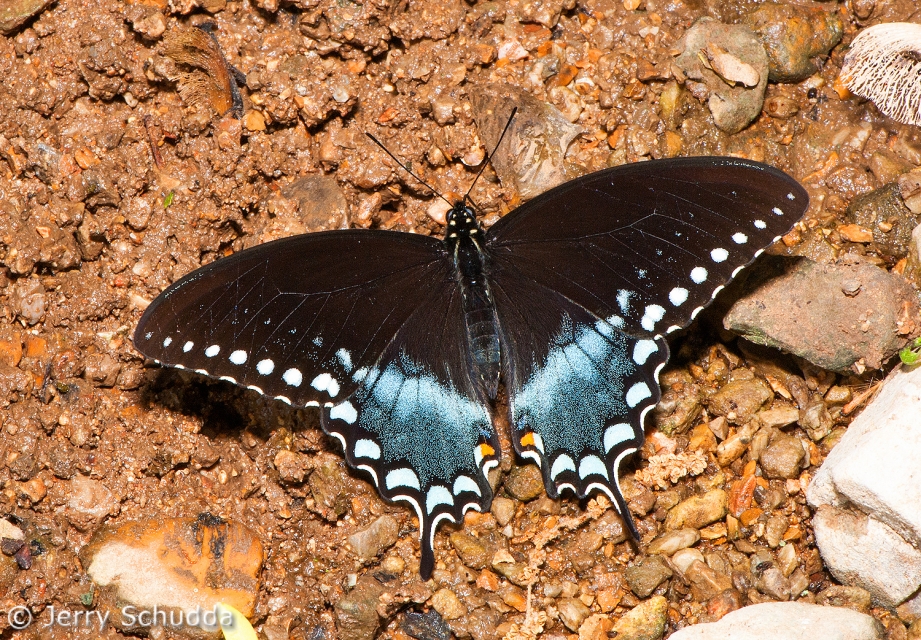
pixel 239 627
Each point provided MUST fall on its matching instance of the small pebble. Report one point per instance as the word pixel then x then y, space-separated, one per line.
pixel 646 621
pixel 377 538
pixel 647 574
pixel 572 613
pixel 446 603
pixel 524 482
pixel 672 541
pixel 783 458
pixel 503 510
pixel 698 511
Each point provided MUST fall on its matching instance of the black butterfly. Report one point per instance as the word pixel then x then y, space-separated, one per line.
pixel 400 339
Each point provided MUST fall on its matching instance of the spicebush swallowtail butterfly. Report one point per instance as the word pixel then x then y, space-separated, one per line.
pixel 401 339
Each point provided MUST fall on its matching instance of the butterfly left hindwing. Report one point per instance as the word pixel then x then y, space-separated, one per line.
pixel 417 423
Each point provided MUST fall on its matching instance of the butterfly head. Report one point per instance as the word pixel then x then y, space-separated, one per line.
pixel 461 222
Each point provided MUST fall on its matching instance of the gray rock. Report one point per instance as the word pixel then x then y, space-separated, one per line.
pixel 787 620
pixel 732 107
pixel 375 539
pixel 532 154
pixel 862 551
pixel 647 574
pixel 793 36
pixel 873 470
pixel 817 312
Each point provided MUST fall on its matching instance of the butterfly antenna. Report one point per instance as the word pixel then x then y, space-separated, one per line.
pixel 407 169
pixel 489 159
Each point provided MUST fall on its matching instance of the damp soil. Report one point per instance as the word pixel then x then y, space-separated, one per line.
pixel 114 183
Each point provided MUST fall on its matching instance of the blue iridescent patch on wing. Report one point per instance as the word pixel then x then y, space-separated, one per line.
pixel 580 410
pixel 422 441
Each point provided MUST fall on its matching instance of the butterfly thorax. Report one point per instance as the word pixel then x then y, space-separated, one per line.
pixel 464 239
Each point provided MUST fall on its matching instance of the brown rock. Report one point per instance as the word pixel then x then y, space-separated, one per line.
pixel 698 511
pixel 647 574
pixel 783 458
pixel 375 539
pixel 446 602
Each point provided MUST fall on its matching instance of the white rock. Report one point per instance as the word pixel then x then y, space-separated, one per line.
pixel 862 551
pixel 873 471
pixel 787 621
pixel 9 530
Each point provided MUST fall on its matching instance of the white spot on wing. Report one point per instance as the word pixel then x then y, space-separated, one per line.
pixel 760 224
pixel 345 358
pixel 365 448
pixel 678 296
pixel 698 275
pixel 617 433
pixel 623 300
pixel 637 393
pixel 719 255
pixel 739 238
pixel 167 341
pixel 402 477
pixel 466 483
pixel 652 314
pixel 265 367
pixel 187 346
pixel 327 383
pixel 212 351
pixel 592 466
pixel 642 350
pixel 790 196
pixel 437 495
pixel 292 377
pixel 345 412
pixel 238 357
pixel 777 211
pixel 561 464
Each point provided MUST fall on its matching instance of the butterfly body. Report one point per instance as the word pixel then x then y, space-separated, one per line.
pixel 462 238
pixel 401 339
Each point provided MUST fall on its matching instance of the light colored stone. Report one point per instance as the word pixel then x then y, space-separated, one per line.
pixel 873 470
pixel 671 542
pixel 864 552
pixel 11 531
pixel 786 620
pixel 646 621
pixel 376 538
pixel 446 602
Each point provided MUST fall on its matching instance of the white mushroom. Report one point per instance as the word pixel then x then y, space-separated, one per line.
pixel 884 65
